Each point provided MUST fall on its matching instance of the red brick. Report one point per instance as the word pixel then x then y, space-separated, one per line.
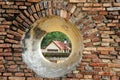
pixel 19 74
pixel 33 0
pixel 22 7
pixel 16 45
pixel 26 12
pixel 115 78
pixel 36 16
pixel 8 58
pixel 116 4
pixel 14 33
pixel 13 66
pixel 93 9
pixel 114 65
pixel 34 78
pixel 19 3
pixel 1 2
pixel 107 73
pixel 16 78
pixel 97 4
pixel 3 33
pixel 105 48
pixel 11 63
pixel 33 8
pixel 96 60
pixel 97 77
pixel 90 48
pixel 111 24
pixel 32 18
pixel 79 76
pixel 2 29
pixel 98 64
pixel 107 57
pixel 17 58
pixel 23 66
pixel 28 74
pixel 5 45
pixel 5 54
pixel 77 1
pixel 7 22
pixel 103 12
pixel 98 69
pixel 12 11
pixel 1 50
pixel 37 7
pixel 1 58
pixel 10 36
pixel 89 56
pixel 11 41
pixel 2 68
pixel 3 78
pixel 17 54
pixel 104 52
pixel 7 74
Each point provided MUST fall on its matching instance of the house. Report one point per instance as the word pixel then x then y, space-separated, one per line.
pixel 57 46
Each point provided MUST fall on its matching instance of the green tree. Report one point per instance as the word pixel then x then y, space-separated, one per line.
pixel 54 36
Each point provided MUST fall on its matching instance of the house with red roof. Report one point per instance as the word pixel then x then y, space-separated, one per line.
pixel 57 46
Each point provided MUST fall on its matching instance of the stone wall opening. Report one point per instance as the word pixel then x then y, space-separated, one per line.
pixel 33 57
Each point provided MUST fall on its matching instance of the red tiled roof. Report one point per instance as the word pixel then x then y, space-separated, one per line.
pixel 62 45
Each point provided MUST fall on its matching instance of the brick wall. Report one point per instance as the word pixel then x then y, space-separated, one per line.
pixel 99 24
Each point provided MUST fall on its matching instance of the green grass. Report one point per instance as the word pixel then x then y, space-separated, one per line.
pixel 56 54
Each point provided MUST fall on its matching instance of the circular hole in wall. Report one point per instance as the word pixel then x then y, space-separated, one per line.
pixel 32 40
pixel 56 46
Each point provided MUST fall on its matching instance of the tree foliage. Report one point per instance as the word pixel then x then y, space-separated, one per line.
pixel 59 36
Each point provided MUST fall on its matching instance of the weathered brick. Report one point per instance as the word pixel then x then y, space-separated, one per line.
pixel 5 54
pixel 3 78
pixel 19 74
pixel 97 4
pixel 88 76
pixel 16 78
pixel 89 56
pixel 105 48
pixel 12 11
pixel 115 78
pixel 7 74
pixel 114 65
pixel 30 78
pixel 98 64
pixel 63 13
pixel 37 7
pixel 1 2
pixel 22 7
pixel 19 3
pixel 5 45
pixel 73 9
pixel 33 0
pixel 8 58
pixel 107 57
pixel 77 1
pixel 33 8
pixel 107 73
pixel 113 8
pixel 11 41
pixel 29 74
pixel 104 52
pixel 90 48
pixel 36 16
pixel 97 77
pixel 2 68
